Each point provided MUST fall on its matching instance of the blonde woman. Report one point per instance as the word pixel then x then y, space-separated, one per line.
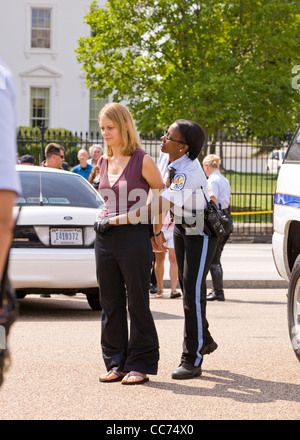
pixel 219 191
pixel 194 249
pixel 124 253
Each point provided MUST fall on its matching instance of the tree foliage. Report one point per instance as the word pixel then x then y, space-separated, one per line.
pixel 221 63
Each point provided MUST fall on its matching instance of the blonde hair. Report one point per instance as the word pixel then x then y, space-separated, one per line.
pixel 213 160
pixel 121 116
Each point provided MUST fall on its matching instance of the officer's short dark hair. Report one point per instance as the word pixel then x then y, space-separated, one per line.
pixel 193 135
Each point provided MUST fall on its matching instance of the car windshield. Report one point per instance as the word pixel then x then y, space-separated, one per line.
pixel 293 154
pixel 56 189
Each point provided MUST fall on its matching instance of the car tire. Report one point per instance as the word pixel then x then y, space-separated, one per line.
pixel 94 300
pixel 293 308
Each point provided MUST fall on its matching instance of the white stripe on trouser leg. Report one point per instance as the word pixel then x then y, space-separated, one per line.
pixel 198 298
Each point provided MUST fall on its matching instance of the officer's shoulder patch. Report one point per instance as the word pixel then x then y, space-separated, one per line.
pixel 178 182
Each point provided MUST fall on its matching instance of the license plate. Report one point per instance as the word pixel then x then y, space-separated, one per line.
pixel 66 237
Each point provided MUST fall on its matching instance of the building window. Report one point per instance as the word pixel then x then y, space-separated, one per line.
pixel 40 28
pixel 39 106
pixel 96 105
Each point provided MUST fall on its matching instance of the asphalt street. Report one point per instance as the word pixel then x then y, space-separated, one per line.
pixel 253 375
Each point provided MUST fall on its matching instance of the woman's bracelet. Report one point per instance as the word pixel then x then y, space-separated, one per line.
pixel 156 235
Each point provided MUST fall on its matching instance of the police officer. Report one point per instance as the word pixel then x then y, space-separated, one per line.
pixel 219 191
pixel 194 249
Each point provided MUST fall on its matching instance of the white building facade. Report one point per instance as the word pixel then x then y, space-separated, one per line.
pixel 38 39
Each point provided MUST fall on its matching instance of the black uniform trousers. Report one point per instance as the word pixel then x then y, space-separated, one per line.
pixel 193 254
pixel 123 260
pixel 216 269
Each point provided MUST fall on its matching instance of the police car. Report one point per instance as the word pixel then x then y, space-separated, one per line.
pixel 286 235
pixel 275 160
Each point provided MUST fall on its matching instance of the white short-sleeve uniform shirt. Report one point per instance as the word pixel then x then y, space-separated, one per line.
pixel 219 187
pixel 186 189
pixel 9 179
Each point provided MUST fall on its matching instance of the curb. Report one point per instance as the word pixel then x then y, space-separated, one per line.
pixel 244 284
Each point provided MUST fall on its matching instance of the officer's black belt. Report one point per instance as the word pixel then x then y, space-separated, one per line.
pixel 188 225
pixel 225 211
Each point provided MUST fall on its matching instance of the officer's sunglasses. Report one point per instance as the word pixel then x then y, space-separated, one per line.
pixel 167 137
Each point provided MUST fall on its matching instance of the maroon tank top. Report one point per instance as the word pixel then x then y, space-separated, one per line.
pixel 129 191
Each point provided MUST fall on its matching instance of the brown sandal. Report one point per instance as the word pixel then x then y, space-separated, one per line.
pixel 175 294
pixel 159 294
pixel 143 378
pixel 106 376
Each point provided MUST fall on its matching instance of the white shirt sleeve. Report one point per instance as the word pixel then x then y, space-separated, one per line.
pixel 9 179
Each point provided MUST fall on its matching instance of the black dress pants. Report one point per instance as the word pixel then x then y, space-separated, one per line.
pixel 123 260
pixel 193 254
pixel 216 269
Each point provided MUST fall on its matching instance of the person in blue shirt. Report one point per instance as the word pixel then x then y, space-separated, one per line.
pixel 83 168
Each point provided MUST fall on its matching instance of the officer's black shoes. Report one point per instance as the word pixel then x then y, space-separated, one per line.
pixel 186 371
pixel 209 348
pixel 215 296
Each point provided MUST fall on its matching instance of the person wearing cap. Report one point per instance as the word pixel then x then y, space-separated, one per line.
pixel 194 249
pixel 27 159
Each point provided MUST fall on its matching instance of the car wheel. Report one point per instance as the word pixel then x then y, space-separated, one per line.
pixel 94 300
pixel 293 308
pixel 20 294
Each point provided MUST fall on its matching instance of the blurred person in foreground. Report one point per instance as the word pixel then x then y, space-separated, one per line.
pixel 9 188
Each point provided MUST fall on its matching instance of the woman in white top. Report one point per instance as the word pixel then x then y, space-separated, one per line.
pixel 168 231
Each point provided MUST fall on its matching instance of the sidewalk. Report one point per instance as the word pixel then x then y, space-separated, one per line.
pixel 245 265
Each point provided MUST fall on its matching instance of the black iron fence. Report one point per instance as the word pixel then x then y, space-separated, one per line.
pixel 250 164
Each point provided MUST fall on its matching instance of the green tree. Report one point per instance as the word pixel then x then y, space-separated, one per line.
pixel 221 63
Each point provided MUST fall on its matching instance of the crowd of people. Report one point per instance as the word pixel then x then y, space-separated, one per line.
pixel 148 211
pixel 55 158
